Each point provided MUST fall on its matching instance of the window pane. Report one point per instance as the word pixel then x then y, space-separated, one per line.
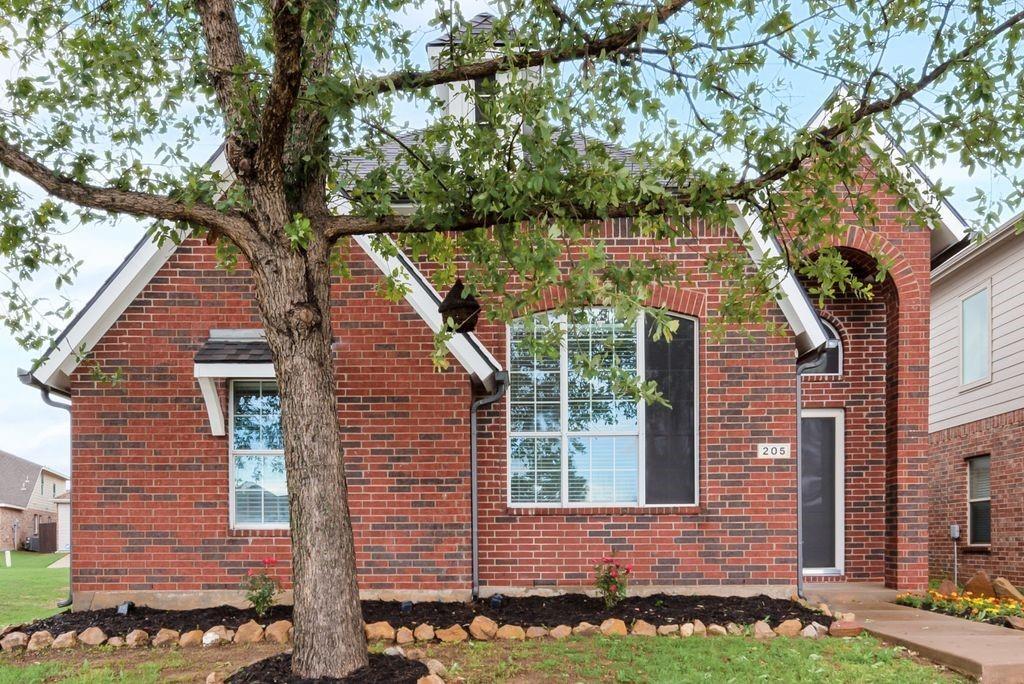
pixel 600 342
pixel 670 433
pixel 275 490
pixel 534 392
pixel 981 522
pixel 536 473
pixel 974 339
pixel 248 489
pixel 603 469
pixel 979 479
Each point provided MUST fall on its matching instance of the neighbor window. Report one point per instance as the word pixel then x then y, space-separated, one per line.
pixel 979 501
pixel 975 345
pixel 572 442
pixel 259 489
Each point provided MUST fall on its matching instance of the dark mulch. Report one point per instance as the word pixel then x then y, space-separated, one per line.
pixel 382 668
pixel 547 611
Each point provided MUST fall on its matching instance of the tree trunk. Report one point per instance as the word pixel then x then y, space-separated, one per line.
pixel 293 291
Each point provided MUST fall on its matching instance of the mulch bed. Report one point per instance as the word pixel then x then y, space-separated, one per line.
pixel 546 611
pixel 382 668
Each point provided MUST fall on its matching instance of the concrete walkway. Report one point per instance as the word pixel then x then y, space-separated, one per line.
pixel 993 654
pixel 62 562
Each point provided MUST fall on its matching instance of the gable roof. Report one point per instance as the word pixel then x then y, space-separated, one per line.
pixel 974 250
pixel 478 25
pixel 18 478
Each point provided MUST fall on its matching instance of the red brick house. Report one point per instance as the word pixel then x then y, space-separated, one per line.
pixel 503 473
pixel 977 408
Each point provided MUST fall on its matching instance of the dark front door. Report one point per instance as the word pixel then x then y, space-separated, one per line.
pixel 821 482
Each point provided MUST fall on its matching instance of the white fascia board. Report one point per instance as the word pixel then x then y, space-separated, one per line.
pixel 7 505
pixel 234 370
pixel 424 299
pixel 792 299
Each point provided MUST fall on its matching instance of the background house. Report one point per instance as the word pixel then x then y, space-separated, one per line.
pixel 976 415
pixel 28 493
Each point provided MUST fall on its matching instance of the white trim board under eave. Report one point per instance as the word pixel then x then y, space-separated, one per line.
pixel 207 375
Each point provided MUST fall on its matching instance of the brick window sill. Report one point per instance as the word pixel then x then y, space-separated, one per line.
pixel 605 510
pixel 258 533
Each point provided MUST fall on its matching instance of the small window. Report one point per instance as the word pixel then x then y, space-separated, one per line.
pixel 485 89
pixel 258 484
pixel 975 341
pixel 54 489
pixel 979 501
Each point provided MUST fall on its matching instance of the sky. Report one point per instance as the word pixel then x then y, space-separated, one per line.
pixel 32 430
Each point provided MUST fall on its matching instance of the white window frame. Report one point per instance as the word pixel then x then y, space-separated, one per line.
pixel 986 287
pixel 840 490
pixel 564 436
pixel 231 460
pixel 970 527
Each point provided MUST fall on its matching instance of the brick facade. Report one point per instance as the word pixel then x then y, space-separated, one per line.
pixel 25 520
pixel 1002 439
pixel 151 483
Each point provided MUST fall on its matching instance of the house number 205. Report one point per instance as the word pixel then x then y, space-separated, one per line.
pixel 773 451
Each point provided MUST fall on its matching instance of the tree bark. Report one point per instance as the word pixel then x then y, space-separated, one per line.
pixel 293 292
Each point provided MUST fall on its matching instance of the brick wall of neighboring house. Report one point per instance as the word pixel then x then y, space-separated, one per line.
pixel 26 525
pixel 151 492
pixel 1002 439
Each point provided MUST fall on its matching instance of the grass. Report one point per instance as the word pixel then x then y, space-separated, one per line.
pixel 863 660
pixel 28 590
pixel 149 672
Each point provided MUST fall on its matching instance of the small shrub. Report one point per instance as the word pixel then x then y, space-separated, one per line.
pixel 965 605
pixel 261 588
pixel 611 578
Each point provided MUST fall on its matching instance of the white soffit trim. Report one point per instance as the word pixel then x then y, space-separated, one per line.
pixel 792 299
pixel 207 375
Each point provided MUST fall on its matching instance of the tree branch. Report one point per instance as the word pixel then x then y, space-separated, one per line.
pixel 226 58
pixel 632 32
pixel 284 85
pixel 232 224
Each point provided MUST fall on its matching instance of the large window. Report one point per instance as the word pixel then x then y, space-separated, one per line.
pixel 975 339
pixel 259 490
pixel 979 501
pixel 573 442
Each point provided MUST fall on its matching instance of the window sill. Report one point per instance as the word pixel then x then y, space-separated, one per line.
pixel 977 548
pixel 975 384
pixel 259 532
pixel 691 509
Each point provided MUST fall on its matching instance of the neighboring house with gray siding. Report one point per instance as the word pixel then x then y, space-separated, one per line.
pixel 28 498
pixel 976 407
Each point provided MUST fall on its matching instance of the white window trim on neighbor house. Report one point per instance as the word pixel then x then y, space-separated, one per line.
pixel 564 434
pixel 232 452
pixel 986 287
pixel 971 500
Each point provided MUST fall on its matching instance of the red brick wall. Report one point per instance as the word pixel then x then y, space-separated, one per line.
pixel 1002 439
pixel 151 494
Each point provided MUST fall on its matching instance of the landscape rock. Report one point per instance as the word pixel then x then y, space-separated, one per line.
pixel 166 637
pixel 278 632
pixel 249 633
pixel 191 639
pixel 66 640
pixel 394 651
pixel 686 629
pixel 825 610
pixel 845 617
pixel 1015 622
pixel 734 629
pixel 14 641
pixel 423 633
pixel 536 632
pixel 1005 590
pixel 93 636
pixel 430 679
pixel 821 629
pixel 115 642
pixel 980 585
pixel 585 629
pixel 560 632
pixel 415 654
pixel 452 635
pixel 614 627
pixel 845 629
pixel 809 632
pixel 789 628
pixel 644 628
pixel 39 641
pixel 214 678
pixel 404 636
pixel 717 630
pixel 138 638
pixel 762 630
pixel 6 629
pixel 668 630
pixel 436 667
pixel 483 628
pixel 947 587
pixel 215 636
pixel 380 631
pixel 699 629
pixel 511 633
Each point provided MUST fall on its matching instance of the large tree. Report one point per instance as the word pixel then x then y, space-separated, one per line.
pixel 109 104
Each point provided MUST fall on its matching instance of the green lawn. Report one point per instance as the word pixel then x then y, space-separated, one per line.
pixel 89 673
pixel 28 590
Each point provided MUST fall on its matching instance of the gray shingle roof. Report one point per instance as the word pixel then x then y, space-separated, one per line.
pixel 234 351
pixel 478 25
pixel 18 479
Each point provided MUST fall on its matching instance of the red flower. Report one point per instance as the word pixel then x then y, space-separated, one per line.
pixel 252 571
pixel 269 562
pixel 629 568
pixel 614 573
pixel 613 586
